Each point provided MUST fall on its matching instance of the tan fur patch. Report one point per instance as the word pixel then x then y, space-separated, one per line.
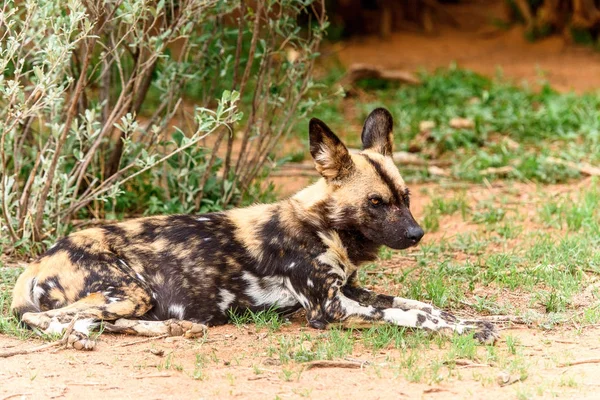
pixel 246 220
pixel 336 254
pixel 22 290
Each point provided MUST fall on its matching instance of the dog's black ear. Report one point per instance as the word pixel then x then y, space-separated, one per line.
pixel 377 132
pixel 332 158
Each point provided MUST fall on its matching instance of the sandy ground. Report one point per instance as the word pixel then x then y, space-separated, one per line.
pixel 478 46
pixel 133 372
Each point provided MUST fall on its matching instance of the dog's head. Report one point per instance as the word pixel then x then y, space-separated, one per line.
pixel 366 190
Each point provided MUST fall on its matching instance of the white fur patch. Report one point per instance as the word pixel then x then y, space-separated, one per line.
pixel 55 327
pixel 38 292
pixel 268 290
pixel 81 325
pixel 176 311
pixel 226 299
pixel 353 307
pixel 202 219
pixel 299 296
pixel 400 317
pixel 400 302
pixel 310 283
pixel 410 318
pixel 85 325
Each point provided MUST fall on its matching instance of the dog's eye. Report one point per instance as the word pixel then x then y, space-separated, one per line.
pixel 376 201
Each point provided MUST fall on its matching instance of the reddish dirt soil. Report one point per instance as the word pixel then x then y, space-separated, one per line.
pixel 113 371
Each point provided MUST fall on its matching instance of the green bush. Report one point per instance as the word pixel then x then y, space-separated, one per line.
pixel 90 91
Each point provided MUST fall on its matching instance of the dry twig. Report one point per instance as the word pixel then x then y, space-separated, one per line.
pixel 46 346
pixel 466 364
pixel 583 168
pixel 357 72
pixel 161 375
pixel 336 364
pixel 10 396
pixel 142 341
pixel 579 362
pixel 17 352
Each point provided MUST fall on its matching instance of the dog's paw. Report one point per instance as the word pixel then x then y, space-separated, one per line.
pixel 485 332
pixel 186 329
pixel 317 324
pixel 79 341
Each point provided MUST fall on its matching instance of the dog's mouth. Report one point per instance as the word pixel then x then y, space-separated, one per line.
pixel 403 245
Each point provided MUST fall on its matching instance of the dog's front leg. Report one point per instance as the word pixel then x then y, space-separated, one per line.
pixel 339 307
pixel 368 297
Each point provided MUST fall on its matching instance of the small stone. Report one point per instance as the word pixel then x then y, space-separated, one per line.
pixel 271 361
pixel 503 378
pixel 437 171
pixel 157 352
pixel 426 126
pixel 462 123
pixel 307 346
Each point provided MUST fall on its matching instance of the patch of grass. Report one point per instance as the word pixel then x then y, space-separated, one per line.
pixel 8 323
pixel 463 347
pixel 508 230
pixel 381 337
pixel 336 343
pixel 441 206
pixel 199 365
pixel 470 243
pixel 579 214
pixel 431 222
pixel 166 363
pixel 514 127
pixel 511 344
pixel 488 213
pixel 268 318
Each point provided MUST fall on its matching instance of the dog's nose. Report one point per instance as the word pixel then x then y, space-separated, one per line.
pixel 415 233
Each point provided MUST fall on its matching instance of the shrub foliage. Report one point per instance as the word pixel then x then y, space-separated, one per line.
pixel 90 92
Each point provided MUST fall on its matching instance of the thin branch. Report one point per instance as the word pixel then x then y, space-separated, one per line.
pixel 579 362
pixel 336 364
pixel 49 178
pixel 107 184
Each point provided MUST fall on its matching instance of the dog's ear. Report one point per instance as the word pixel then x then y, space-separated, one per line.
pixel 332 158
pixel 377 132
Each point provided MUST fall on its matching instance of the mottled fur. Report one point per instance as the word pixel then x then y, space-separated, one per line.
pixel 176 274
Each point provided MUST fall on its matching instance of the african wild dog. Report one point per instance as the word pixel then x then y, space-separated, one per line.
pixel 176 274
